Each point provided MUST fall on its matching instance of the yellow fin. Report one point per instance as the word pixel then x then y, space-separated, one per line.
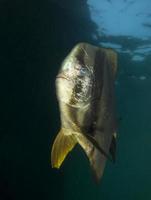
pixel 62 145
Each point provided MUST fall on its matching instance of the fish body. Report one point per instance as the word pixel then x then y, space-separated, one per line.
pixel 85 92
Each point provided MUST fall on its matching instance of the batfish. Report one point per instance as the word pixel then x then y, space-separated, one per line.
pixel 86 98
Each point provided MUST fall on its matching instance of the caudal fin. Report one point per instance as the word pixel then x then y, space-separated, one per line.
pixel 62 145
pixel 65 142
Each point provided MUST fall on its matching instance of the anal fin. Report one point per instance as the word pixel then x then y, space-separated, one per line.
pixel 96 145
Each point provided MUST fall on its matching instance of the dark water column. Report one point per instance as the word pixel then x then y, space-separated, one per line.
pixel 36 35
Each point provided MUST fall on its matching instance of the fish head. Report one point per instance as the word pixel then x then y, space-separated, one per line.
pixel 74 83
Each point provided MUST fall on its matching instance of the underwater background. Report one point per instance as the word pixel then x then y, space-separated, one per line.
pixel 35 38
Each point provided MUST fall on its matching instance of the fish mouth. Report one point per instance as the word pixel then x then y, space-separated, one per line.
pixel 62 76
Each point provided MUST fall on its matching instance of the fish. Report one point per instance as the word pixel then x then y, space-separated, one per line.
pixel 86 99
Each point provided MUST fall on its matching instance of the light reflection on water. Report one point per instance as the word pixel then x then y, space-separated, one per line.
pixel 123 20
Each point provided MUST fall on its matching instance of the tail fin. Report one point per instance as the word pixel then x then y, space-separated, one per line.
pixel 62 145
pixel 65 142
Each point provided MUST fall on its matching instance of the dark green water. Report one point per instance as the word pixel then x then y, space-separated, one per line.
pixel 35 38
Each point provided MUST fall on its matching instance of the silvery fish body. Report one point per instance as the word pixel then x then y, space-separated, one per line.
pixel 85 92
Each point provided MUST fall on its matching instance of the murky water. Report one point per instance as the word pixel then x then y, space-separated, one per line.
pixel 36 36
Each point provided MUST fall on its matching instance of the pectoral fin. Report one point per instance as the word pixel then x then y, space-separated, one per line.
pixel 62 145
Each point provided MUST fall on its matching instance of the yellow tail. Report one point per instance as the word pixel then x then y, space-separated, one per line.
pixel 62 145
pixel 66 141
